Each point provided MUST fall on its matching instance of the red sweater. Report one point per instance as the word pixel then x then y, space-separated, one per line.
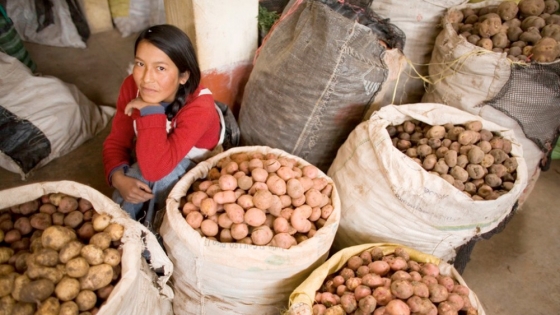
pixel 158 152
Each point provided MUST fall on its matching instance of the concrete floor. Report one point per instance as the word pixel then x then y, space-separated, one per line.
pixel 514 272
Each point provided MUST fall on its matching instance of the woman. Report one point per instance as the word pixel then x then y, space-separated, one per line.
pixel 165 121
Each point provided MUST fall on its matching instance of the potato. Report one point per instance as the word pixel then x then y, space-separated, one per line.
pixel 475 171
pixel 235 212
pixel 46 257
pixel 489 25
pixel 40 221
pixel 23 225
pixel 531 37
pixel 12 236
pixel 295 188
pixel 86 300
pixel 67 204
pixel 283 240
pixel 531 7
pixel 22 308
pixel 513 34
pixel 70 250
pixel 36 291
pixel 74 219
pixel 7 305
pixel 551 6
pixel 77 267
pixel 101 222
pixel 239 231
pixel 97 277
pixel 429 162
pixel 5 254
pixel 115 230
pixel 507 10
pixel 111 256
pixel 6 269
pixel 101 240
pixel 261 235
pixel 209 228
pixel 276 185
pixel 69 308
pixel 67 289
pixel 546 50
pixel 532 21
pixel 7 284
pixel 55 237
pixel 86 231
pixel 92 254
pixel 500 41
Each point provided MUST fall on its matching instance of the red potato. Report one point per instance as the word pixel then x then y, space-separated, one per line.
pixel 379 267
pixel 189 207
pixel 194 219
pixel 276 185
pixel 259 175
pixel 349 303
pixel 261 235
pixel 208 207
pixel 397 307
pixel 224 197
pixel 227 182
pixel 310 171
pixel 382 295
pixel 254 217
pixel 283 240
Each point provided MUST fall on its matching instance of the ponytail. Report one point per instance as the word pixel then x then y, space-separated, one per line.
pixel 178 102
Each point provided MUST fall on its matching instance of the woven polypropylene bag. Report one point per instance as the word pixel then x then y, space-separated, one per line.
pixel 211 277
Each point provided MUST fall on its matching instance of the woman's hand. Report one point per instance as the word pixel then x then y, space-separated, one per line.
pixel 131 189
pixel 138 104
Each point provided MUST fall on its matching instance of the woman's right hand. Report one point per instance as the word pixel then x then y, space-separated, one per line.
pixel 131 189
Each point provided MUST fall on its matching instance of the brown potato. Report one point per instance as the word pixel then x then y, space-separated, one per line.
pixel 97 277
pixel 86 300
pixel 40 221
pixel 67 204
pixel 92 254
pixel 86 231
pixel 69 308
pixel 101 240
pixel 67 289
pixel 74 219
pixel 71 250
pixel 77 267
pixel 46 257
pixel 101 222
pixel 115 230
pixel 36 291
pixel 55 237
pixel 23 225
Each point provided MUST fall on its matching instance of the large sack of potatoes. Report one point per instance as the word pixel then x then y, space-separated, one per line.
pixel 316 75
pixel 67 249
pixel 499 60
pixel 244 228
pixel 385 279
pixel 420 20
pixel 428 176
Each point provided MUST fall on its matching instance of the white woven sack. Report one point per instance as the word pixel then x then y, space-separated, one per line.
pixel 231 278
pixel 420 20
pixel 387 197
pixel 140 290
pixel 62 33
pixel 61 114
pixel 466 75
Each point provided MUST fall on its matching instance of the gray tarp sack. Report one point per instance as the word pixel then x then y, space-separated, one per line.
pixel 314 79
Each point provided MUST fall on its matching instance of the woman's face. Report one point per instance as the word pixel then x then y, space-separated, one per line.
pixel 155 74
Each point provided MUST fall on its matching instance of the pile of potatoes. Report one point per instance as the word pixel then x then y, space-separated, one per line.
pixel 259 199
pixel 528 31
pixel 474 160
pixel 373 283
pixel 57 256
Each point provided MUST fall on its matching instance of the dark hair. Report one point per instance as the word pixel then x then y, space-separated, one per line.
pixel 178 47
